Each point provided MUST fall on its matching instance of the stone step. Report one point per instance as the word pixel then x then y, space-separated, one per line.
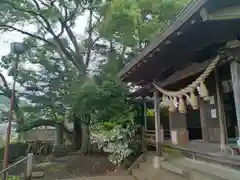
pixel 149 159
pixel 200 169
pixel 159 174
pixel 171 167
pixel 135 165
pixel 139 175
pixel 146 167
pixel 182 169
pixel 167 175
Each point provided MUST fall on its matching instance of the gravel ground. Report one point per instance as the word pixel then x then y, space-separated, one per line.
pixel 71 167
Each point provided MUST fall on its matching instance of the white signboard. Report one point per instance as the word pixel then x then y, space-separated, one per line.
pixel 212 100
pixel 174 137
pixel 214 113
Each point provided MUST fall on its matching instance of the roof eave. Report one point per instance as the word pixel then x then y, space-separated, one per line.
pixel 184 16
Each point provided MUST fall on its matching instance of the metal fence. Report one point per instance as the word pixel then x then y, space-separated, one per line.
pixel 26 162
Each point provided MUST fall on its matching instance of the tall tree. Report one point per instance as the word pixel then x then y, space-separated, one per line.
pixel 53 21
pixel 125 26
pixel 48 82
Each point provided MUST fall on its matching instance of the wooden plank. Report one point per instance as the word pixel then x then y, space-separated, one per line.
pixel 235 73
pixel 221 114
pixel 228 13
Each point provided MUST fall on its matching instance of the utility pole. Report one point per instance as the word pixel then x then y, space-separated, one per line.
pixel 16 48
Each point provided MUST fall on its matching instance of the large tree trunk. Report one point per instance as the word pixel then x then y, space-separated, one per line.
pixel 85 139
pixel 85 149
pixel 77 134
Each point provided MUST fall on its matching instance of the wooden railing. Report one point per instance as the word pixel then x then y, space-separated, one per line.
pixel 150 136
pixel 28 169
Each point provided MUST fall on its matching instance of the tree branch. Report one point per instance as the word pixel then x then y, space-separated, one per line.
pixel 81 66
pixel 63 21
pixel 46 24
pixel 4 26
pixel 36 4
pixel 42 20
pixel 4 81
pixel 95 40
pixel 90 40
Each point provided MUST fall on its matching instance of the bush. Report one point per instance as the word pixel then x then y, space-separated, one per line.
pixel 119 142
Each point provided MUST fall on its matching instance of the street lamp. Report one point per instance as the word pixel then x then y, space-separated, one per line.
pixel 16 48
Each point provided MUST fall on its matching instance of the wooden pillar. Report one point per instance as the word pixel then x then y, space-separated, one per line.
pixel 157 123
pixel 145 115
pixel 209 112
pixel 178 128
pixel 221 114
pixel 235 73
pixel 205 116
pixel 144 148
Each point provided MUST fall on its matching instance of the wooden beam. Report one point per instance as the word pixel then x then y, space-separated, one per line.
pixel 145 115
pixel 157 123
pixel 222 14
pixel 235 74
pixel 221 115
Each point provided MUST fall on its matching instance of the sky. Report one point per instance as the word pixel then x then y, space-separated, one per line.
pixel 7 38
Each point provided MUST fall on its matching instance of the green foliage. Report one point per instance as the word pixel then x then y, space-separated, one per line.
pixel 117 139
pixel 131 22
pixel 62 86
pixel 53 48
pixel 50 87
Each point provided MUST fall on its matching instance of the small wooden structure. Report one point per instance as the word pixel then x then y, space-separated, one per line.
pixel 204 37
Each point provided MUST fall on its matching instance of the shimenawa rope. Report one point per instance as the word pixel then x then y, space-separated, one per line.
pixel 194 85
